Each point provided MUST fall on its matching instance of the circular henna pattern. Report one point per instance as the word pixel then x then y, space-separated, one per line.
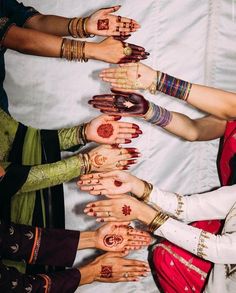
pixel 117 183
pixel 105 130
pixel 112 240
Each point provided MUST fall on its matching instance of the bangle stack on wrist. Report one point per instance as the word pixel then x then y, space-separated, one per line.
pixel 86 168
pixel 77 28
pixel 172 86
pixel 158 221
pixel 158 115
pixel 148 187
pixel 73 50
pixel 81 136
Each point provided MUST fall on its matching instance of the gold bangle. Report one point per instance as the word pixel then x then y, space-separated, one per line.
pixel 148 187
pixel 158 221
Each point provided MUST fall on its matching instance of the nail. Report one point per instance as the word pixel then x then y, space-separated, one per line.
pixel 139 131
pixel 134 135
pixel 95 214
pixel 91 210
pixel 116 117
pixel 125 168
pixel 127 140
pixel 135 126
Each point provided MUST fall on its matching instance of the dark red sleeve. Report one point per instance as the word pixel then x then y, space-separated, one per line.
pixel 37 245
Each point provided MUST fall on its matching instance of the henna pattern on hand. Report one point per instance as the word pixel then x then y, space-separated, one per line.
pixel 126 210
pixel 103 24
pixel 106 272
pixel 117 183
pixel 98 160
pixel 105 130
pixel 112 240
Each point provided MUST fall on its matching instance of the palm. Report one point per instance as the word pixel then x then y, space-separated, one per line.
pixel 115 185
pixel 100 16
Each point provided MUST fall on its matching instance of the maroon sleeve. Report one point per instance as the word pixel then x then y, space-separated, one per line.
pixel 37 245
pixel 61 282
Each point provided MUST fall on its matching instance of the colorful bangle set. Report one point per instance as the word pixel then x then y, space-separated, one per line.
pixel 77 28
pixel 172 86
pixel 158 115
pixel 73 50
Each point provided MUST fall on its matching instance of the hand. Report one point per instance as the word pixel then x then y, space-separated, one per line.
pixel 113 50
pixel 121 103
pixel 123 208
pixel 129 76
pixel 2 172
pixel 112 183
pixel 106 129
pixel 120 236
pixel 103 23
pixel 112 267
pixel 105 158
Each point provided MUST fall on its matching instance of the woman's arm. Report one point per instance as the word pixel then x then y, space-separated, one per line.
pixel 216 102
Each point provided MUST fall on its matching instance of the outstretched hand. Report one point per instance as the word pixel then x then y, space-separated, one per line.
pixel 121 103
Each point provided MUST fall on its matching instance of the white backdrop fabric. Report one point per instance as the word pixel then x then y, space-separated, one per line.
pixel 191 39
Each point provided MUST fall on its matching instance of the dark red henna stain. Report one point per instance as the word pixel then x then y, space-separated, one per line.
pixel 112 240
pixel 118 18
pixel 106 272
pixel 105 130
pixel 103 24
pixel 117 183
pixel 126 210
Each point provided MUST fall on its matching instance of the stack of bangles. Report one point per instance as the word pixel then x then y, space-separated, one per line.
pixel 81 136
pixel 73 50
pixel 77 28
pixel 158 221
pixel 86 163
pixel 158 115
pixel 171 86
pixel 148 187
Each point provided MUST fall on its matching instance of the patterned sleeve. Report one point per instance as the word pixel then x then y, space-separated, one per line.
pixel 42 246
pixel 12 12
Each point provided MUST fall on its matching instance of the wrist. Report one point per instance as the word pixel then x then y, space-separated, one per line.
pixel 87 240
pixel 87 274
pixel 90 50
pixel 137 187
pixel 147 214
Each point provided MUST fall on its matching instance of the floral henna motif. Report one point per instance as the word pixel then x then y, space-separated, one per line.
pixel 112 240
pixel 103 24
pixel 126 210
pixel 117 183
pixel 106 272
pixel 105 130
pixel 98 160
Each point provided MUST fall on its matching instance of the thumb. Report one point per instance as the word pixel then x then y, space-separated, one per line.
pixel 111 9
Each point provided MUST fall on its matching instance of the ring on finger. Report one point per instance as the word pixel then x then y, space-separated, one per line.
pixel 127 50
pixel 108 214
pixel 126 275
pixel 118 164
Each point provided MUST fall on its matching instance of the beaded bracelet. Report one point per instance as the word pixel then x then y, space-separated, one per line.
pixel 158 115
pixel 173 86
pixel 73 50
pixel 158 221
pixel 77 28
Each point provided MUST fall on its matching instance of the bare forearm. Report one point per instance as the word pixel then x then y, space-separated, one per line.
pixel 50 24
pixel 214 101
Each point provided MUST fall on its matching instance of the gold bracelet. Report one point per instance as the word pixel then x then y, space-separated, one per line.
pixel 153 86
pixel 158 221
pixel 148 187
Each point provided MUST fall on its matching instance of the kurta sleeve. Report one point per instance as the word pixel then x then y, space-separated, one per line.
pixel 48 175
pixel 215 248
pixel 210 205
pixel 13 12
pixel 42 246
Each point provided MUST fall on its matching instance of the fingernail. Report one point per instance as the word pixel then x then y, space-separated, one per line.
pixel 93 205
pixel 134 135
pixel 125 168
pixel 147 53
pixel 127 141
pixel 91 210
pixel 95 214
pixel 135 126
pixel 138 131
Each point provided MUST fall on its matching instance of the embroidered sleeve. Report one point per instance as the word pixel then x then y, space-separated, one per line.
pixel 70 137
pixel 43 176
pixel 13 12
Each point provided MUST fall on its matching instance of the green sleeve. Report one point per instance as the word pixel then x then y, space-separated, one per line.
pixel 7 134
pixel 71 137
pixel 43 176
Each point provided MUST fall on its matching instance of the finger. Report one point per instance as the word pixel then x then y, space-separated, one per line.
pixel 127 135
pixel 136 264
pixel 109 10
pixel 112 118
pixel 89 182
pixel 118 279
pixel 98 203
pixel 138 243
pixel 136 47
pixel 116 74
pixel 128 125
pixel 90 176
pixel 107 219
pixel 107 110
pixel 99 192
pixel 117 69
pixel 105 97
pixel 136 232
pixel 102 103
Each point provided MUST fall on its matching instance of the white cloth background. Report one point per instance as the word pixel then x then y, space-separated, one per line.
pixel 192 39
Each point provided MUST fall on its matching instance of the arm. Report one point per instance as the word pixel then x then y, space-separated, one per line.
pixel 216 102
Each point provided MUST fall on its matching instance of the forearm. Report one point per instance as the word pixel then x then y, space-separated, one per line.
pixel 217 102
pixel 50 24
pixel 87 240
pixel 48 175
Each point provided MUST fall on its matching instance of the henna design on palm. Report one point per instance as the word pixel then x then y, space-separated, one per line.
pixel 103 24
pixel 112 240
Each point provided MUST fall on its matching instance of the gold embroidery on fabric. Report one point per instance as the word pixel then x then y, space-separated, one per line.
pixel 37 246
pixel 201 244
pixel 46 175
pixel 188 264
pixel 68 137
pixel 180 204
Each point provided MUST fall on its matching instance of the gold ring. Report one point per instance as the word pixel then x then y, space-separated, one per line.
pixel 118 164
pixel 108 213
pixel 127 51
pixel 126 275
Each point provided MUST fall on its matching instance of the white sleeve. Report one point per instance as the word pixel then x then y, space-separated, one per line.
pixel 217 249
pixel 208 206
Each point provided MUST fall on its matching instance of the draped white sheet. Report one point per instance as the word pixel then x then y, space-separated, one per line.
pixel 192 39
